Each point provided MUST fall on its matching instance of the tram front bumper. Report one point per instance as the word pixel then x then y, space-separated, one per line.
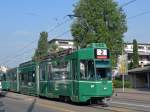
pixel 97 90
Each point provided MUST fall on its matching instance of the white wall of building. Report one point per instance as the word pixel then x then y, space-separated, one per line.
pixel 143 51
pixel 65 44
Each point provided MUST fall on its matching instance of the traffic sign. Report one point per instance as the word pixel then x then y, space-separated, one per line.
pixel 123 64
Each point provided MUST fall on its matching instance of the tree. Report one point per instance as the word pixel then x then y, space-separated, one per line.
pixel 42 49
pixel 99 21
pixel 135 56
pixel 54 48
pixel 130 65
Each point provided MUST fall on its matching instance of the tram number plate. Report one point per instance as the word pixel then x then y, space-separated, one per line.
pixel 101 53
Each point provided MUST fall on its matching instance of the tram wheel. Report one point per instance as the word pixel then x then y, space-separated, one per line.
pixel 66 99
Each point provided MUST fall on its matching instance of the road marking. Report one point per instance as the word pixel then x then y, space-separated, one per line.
pixel 54 107
pixel 131 104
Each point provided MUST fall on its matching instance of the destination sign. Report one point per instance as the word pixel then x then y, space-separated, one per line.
pixel 101 53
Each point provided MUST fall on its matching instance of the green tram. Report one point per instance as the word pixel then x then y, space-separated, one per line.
pixel 5 79
pixel 80 76
pixel 12 75
pixel 27 78
pixel 10 80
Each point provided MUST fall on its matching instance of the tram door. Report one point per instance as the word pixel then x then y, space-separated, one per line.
pixel 43 79
pixel 74 78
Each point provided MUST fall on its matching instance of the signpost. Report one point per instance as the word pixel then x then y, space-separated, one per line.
pixel 123 67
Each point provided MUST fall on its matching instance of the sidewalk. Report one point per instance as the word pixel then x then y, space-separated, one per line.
pixel 133 91
pixel 132 94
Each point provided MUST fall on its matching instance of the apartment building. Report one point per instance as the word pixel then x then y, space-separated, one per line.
pixel 143 51
pixel 63 43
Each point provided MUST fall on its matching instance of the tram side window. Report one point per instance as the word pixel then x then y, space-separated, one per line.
pixel 43 73
pixel 60 70
pixel 24 79
pixel 87 70
pixel 1 76
pixel 49 72
pixel 74 70
pixel 14 77
pixel 68 76
pixel 4 77
pixel 31 76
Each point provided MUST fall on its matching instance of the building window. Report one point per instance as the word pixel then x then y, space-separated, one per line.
pixel 140 47
pixel 126 46
pixel 148 57
pixel 62 42
pixel 148 48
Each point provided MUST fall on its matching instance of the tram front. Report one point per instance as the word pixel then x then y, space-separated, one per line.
pixel 95 77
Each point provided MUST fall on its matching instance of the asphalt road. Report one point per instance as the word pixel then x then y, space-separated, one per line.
pixel 133 101
pixel 15 105
pixel 13 102
pixel 21 103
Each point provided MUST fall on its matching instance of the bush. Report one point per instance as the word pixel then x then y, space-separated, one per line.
pixel 118 84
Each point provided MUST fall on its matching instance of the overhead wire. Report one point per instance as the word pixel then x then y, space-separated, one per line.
pixel 60 24
pixel 138 15
pixel 16 56
pixel 28 45
pixel 127 3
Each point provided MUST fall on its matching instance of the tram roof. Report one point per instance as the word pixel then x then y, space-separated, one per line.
pixel 12 69
pixel 27 63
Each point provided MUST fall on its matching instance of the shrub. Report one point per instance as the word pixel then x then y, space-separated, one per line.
pixel 118 84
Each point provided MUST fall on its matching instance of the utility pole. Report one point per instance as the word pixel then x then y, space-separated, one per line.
pixel 123 67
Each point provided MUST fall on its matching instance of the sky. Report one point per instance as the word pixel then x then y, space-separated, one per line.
pixel 21 21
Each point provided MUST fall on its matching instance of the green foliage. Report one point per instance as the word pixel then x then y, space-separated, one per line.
pixel 99 21
pixel 130 65
pixel 53 48
pixel 42 49
pixel 135 56
pixel 118 84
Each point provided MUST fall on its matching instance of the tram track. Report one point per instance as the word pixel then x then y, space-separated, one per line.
pixel 131 99
pixel 132 109
pixel 138 93
pixel 125 105
pixel 117 108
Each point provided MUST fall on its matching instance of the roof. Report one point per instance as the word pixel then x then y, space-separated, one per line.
pixel 130 43
pixel 53 40
pixel 140 70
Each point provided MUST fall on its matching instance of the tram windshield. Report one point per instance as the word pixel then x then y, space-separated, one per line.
pixel 87 70
pixel 103 73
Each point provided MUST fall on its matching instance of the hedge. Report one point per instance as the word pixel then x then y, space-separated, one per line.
pixel 118 84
